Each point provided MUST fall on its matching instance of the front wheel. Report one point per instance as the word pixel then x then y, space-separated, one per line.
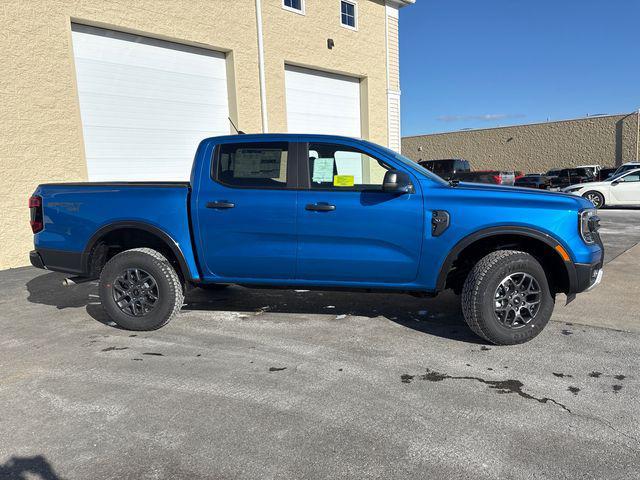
pixel 596 198
pixel 140 290
pixel 506 298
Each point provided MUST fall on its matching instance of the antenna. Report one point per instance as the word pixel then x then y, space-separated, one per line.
pixel 239 132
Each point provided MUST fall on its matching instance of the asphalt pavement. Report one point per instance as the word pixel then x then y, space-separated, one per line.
pixel 295 384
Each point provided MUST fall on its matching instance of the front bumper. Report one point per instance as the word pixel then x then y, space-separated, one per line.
pixel 588 276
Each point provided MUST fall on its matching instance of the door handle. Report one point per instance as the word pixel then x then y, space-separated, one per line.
pixel 220 204
pixel 320 207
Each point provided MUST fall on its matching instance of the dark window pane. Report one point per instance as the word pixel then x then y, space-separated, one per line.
pixel 348 14
pixel 296 4
pixel 258 165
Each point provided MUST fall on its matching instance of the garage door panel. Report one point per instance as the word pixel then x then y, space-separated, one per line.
pixel 146 104
pixel 141 51
pixel 320 102
pixel 119 112
pixel 135 81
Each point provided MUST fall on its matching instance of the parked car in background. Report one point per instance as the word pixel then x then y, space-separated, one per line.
pixel 594 169
pixel 622 189
pixel 571 176
pixel 606 173
pixel 486 176
pixel 518 174
pixel 626 167
pixel 253 214
pixel 446 168
pixel 533 180
pixel 552 174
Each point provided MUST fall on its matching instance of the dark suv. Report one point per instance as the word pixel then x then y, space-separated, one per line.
pixel 572 176
pixel 446 168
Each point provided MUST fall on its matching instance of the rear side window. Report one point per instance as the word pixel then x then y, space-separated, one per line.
pixel 462 165
pixel 253 165
pixel 441 167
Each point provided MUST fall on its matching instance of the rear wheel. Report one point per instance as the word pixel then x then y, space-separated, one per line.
pixel 595 197
pixel 506 298
pixel 140 290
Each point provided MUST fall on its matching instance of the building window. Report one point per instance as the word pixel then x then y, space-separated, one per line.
pixel 294 5
pixel 348 14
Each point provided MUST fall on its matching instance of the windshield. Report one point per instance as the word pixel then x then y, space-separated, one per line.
pixel 625 168
pixel 411 164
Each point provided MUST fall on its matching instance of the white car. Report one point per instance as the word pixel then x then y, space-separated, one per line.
pixel 621 189
pixel 626 167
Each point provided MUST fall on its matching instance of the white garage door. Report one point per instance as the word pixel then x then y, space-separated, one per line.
pixel 319 102
pixel 145 104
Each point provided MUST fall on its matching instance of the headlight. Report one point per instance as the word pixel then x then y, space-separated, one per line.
pixel 589 225
pixel 573 188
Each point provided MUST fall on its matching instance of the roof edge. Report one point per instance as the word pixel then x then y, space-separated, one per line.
pixel 401 3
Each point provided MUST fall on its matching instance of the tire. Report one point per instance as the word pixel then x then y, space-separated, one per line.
pixel 119 286
pixel 488 280
pixel 594 197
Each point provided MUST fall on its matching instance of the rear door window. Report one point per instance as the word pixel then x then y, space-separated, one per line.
pixel 253 165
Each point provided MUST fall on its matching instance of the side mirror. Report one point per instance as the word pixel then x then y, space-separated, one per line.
pixel 615 182
pixel 397 182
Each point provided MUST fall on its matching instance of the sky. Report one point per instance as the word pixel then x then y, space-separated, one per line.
pixel 487 63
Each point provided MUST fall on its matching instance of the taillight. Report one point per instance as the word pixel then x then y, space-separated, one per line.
pixel 497 179
pixel 35 205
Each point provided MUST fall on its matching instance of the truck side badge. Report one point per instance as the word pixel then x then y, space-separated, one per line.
pixel 439 222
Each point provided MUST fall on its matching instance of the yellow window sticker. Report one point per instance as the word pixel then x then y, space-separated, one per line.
pixel 343 180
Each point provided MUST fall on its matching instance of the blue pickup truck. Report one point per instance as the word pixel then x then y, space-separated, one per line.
pixel 325 212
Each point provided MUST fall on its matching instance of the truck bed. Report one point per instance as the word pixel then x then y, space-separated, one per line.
pixel 76 214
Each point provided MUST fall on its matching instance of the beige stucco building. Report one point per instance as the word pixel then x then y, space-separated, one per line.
pixel 276 64
pixel 608 140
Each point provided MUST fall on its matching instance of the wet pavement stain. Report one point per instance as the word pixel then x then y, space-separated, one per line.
pixel 111 349
pixel 566 332
pixel 154 354
pixel 501 386
pixel 277 369
pixel 595 374
pixel 619 377
pixel 133 335
pixel 484 348
pixel 561 375
pixel 137 359
pixel 574 390
pixel 616 388
pixel 405 378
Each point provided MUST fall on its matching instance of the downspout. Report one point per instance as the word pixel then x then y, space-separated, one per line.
pixel 263 83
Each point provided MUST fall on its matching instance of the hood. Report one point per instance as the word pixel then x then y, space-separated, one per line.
pixel 588 184
pixel 504 188
pixel 522 195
